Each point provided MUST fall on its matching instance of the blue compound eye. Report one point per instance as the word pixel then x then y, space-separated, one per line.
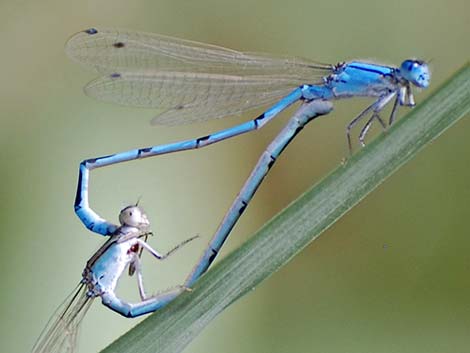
pixel 416 71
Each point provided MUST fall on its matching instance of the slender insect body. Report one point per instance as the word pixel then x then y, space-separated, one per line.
pixel 189 81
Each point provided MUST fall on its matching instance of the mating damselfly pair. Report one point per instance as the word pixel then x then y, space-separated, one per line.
pixel 187 82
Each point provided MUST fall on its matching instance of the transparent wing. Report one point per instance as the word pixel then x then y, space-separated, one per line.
pixel 108 50
pixel 185 97
pixel 187 81
pixel 61 332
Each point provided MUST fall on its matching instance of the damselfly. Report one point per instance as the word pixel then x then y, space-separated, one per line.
pixel 99 279
pixel 189 81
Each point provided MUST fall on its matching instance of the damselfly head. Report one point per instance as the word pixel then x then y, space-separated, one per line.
pixel 133 216
pixel 416 71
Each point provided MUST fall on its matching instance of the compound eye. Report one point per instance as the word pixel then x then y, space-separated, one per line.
pixel 416 71
pixel 133 216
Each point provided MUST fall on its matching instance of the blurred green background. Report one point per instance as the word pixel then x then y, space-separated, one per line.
pixel 390 276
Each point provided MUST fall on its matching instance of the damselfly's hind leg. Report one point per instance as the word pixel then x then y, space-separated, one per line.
pixel 367 126
pixel 354 122
pixel 375 108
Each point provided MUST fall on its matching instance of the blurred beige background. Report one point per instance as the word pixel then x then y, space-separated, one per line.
pixel 390 276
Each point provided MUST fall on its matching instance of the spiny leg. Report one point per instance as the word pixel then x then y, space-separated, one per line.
pixel 393 113
pixel 354 122
pixel 159 256
pixel 184 242
pixel 135 266
pixel 375 107
pixel 404 98
pixel 367 126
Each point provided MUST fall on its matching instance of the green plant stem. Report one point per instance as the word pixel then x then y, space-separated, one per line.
pixel 172 328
